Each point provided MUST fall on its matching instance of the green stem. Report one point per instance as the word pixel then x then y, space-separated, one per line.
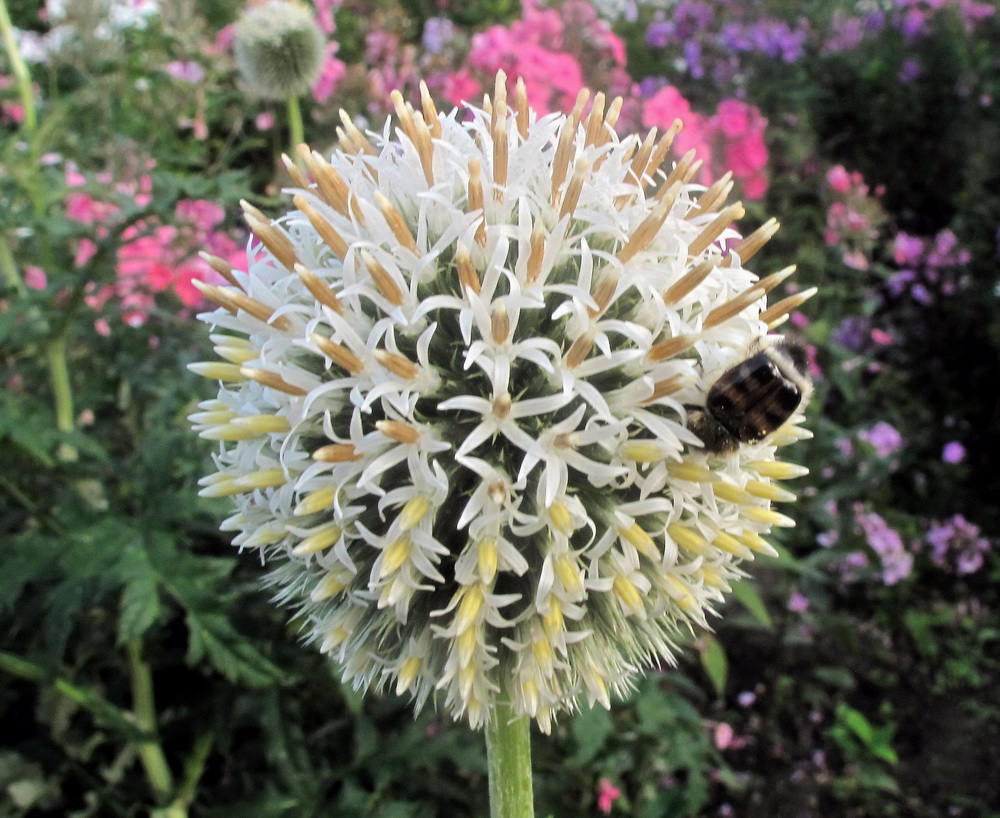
pixel 60 383
pixel 508 750
pixel 87 699
pixel 57 346
pixel 20 71
pixel 150 752
pixel 296 129
pixel 10 272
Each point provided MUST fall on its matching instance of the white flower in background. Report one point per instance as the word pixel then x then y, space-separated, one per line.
pixel 456 383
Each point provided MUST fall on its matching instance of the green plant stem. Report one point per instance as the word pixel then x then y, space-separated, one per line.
pixel 10 272
pixel 296 129
pixel 87 699
pixel 20 71
pixel 56 351
pixel 150 752
pixel 59 372
pixel 508 750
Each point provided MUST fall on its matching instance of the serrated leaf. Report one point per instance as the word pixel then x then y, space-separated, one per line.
pixel 748 595
pixel 140 605
pixel 212 637
pixel 715 663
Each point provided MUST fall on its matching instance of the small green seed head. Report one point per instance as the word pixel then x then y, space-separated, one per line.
pixel 279 49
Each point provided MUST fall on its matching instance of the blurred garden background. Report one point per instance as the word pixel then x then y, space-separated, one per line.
pixel 143 668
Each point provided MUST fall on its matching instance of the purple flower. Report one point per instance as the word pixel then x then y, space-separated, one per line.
pixel 692 58
pixel 853 332
pixel 438 32
pixel 959 540
pixel 798 603
pixel 186 71
pixel 884 437
pixel 660 33
pixel 953 452
pixel 910 71
pixel 897 562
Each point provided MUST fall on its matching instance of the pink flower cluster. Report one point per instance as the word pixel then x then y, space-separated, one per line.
pixel 152 257
pixel 607 793
pixel 551 49
pixel 957 545
pixel 896 562
pixel 731 139
pixel 854 217
pixel 928 267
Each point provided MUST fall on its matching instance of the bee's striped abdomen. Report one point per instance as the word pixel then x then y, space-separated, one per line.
pixel 753 398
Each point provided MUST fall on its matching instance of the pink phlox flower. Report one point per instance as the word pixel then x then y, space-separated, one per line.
pixel 838 179
pixel 35 277
pixel 324 14
pixel 264 121
pixel 882 338
pixel 607 793
pixel 907 249
pixel 886 542
pixel 666 105
pixel 186 71
pixel 201 213
pixel 331 75
pixel 460 87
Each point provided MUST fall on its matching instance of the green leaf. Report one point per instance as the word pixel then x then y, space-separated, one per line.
pixel 748 595
pixel 212 637
pixel 713 660
pixel 140 603
pixel 591 729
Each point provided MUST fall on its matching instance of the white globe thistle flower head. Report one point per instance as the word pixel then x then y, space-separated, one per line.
pixel 279 48
pixel 459 385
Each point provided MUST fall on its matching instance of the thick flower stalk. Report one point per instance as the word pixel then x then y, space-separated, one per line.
pixel 456 389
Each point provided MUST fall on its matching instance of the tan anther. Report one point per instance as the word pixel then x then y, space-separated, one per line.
pixel 396 223
pixel 327 232
pixel 338 353
pixel 715 228
pixel 501 406
pixel 467 277
pixel 500 323
pixel 270 379
pixel 319 289
pixel 572 197
pixel 476 200
pixel 383 279
pixel 271 237
pixel 398 430
pixel 221 266
pixel 691 279
pixel 397 364
pixel 234 300
pixel 747 247
pixel 336 453
pixel 671 346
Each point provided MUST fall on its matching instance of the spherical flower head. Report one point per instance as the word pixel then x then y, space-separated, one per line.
pixel 457 383
pixel 279 49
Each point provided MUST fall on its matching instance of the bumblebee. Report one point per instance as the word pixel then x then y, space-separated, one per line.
pixel 755 397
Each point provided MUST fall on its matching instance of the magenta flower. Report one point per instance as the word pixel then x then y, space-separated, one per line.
pixel 606 795
pixel 953 452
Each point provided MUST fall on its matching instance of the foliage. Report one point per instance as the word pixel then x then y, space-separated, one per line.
pixel 145 670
